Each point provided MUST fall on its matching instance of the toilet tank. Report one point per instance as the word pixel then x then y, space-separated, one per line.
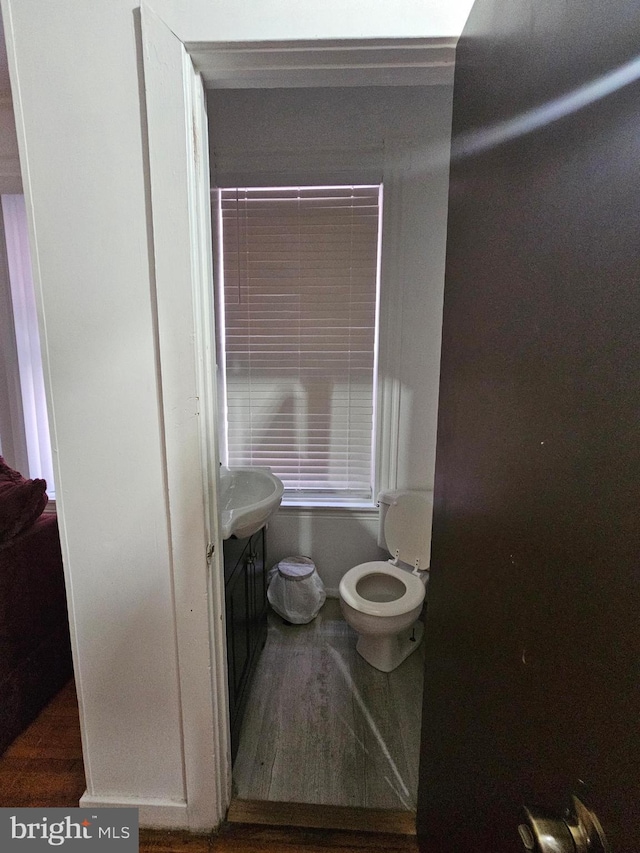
pixel 385 500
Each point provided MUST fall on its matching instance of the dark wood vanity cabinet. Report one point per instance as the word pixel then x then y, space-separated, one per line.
pixel 245 578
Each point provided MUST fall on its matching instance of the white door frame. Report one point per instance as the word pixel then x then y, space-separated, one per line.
pixel 179 176
pixel 179 173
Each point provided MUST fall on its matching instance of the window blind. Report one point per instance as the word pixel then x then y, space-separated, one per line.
pixel 300 270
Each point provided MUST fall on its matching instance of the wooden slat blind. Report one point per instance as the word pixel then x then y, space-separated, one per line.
pixel 300 301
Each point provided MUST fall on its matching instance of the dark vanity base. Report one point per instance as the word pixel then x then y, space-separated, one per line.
pixel 245 578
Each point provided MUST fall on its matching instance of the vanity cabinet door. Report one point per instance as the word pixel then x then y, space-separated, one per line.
pixel 258 593
pixel 238 624
pixel 246 612
pixel 234 552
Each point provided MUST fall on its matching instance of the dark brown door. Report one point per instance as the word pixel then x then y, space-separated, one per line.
pixel 533 629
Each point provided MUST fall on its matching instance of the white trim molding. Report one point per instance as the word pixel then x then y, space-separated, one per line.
pixel 390 333
pixel 152 814
pixel 179 175
pixel 353 62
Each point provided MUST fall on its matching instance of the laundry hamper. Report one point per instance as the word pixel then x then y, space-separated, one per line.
pixel 295 590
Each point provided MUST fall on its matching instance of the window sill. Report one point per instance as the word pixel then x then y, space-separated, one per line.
pixel 332 505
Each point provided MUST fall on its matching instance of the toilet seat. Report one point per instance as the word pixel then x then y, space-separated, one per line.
pixel 406 533
pixel 413 595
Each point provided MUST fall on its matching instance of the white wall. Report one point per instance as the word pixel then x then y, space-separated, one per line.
pixel 320 133
pixel 81 124
pixel 399 136
pixel 78 92
pixel 336 540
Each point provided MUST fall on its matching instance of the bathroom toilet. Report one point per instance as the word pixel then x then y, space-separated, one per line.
pixel 382 601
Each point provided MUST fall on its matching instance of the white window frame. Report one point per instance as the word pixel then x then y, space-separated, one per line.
pixel 307 498
pixel 391 166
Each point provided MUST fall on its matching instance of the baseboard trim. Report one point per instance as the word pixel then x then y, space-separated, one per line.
pixel 153 814
pixel 313 816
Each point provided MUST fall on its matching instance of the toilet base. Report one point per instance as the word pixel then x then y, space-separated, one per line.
pixel 387 652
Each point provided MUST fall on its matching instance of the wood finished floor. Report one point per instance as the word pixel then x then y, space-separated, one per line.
pixel 322 726
pixel 43 767
pixel 258 839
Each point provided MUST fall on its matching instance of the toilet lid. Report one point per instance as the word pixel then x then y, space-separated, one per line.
pixel 407 528
pixel 411 590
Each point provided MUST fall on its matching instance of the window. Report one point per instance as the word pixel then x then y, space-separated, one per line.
pixel 25 433
pixel 298 307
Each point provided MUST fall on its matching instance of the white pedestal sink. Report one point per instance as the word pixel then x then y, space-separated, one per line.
pixel 248 498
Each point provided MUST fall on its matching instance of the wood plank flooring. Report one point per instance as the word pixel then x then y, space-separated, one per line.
pixel 314 816
pixel 43 767
pixel 322 726
pixel 234 838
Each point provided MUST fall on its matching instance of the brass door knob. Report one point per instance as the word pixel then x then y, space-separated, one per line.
pixel 577 831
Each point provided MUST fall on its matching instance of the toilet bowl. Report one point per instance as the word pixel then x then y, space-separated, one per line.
pixel 382 601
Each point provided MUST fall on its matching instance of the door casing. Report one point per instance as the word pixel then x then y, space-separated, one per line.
pixel 175 76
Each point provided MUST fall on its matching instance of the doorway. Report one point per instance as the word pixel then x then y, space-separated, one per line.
pixel 305 65
pixel 336 731
pixel 325 136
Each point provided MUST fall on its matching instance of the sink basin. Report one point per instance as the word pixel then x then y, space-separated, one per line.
pixel 248 498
